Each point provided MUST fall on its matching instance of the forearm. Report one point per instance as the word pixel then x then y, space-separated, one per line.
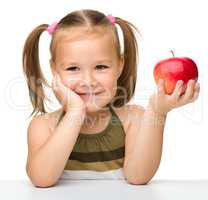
pixel 146 156
pixel 48 162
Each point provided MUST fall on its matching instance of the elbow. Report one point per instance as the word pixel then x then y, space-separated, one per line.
pixel 137 181
pixel 139 178
pixel 42 183
pixel 39 181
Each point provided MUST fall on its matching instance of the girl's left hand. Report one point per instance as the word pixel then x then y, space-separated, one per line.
pixel 162 103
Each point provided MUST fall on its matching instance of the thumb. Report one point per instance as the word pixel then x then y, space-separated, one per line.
pixel 160 87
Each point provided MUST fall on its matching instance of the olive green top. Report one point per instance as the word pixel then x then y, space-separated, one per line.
pixel 102 151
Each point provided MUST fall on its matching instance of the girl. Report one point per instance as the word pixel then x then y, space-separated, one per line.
pixel 95 134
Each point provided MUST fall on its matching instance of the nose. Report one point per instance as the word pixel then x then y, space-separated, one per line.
pixel 88 80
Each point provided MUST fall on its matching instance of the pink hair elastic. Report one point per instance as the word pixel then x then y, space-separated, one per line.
pixel 51 28
pixel 112 19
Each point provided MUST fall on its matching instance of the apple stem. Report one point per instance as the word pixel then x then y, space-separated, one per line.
pixel 172 53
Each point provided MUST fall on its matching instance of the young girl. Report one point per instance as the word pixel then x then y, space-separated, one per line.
pixel 95 134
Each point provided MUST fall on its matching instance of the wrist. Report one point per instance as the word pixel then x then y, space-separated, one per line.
pixel 154 117
pixel 156 112
pixel 75 109
pixel 76 115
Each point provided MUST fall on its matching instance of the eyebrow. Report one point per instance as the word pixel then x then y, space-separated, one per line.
pixel 76 63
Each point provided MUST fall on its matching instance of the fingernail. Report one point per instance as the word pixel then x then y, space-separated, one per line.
pixel 180 82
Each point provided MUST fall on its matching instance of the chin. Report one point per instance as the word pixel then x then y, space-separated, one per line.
pixel 90 108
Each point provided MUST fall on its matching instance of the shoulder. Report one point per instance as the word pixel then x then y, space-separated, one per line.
pixel 129 114
pixel 128 109
pixel 38 121
pixel 134 113
pixel 46 120
pixel 135 109
pixel 40 128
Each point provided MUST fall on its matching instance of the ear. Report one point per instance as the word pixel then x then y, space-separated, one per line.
pixel 121 65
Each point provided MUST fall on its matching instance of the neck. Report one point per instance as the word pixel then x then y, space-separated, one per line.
pixel 96 117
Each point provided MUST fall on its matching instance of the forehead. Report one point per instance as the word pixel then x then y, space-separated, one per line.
pixel 81 43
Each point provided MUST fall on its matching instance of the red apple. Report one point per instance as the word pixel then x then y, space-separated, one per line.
pixel 174 69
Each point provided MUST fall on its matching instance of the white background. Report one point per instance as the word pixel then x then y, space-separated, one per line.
pixel 164 24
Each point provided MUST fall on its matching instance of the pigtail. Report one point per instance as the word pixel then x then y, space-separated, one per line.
pixel 127 79
pixel 32 70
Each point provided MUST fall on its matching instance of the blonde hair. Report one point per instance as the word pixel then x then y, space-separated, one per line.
pixel 82 18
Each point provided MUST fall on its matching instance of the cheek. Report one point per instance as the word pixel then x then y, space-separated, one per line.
pixel 69 82
pixel 110 84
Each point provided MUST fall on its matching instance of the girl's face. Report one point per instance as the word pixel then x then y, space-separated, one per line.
pixel 88 63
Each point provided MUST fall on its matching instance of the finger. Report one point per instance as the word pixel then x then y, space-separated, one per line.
pixel 59 82
pixel 66 90
pixel 161 87
pixel 54 83
pixel 196 92
pixel 197 87
pixel 178 90
pixel 189 91
pixel 58 78
pixel 60 85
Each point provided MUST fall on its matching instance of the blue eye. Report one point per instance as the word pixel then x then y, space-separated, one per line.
pixel 102 66
pixel 72 68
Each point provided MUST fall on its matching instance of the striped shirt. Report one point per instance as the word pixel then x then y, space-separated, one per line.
pixel 99 155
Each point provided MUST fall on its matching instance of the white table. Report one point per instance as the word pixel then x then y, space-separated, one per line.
pixel 106 190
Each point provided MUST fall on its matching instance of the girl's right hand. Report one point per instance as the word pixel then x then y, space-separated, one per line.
pixel 67 97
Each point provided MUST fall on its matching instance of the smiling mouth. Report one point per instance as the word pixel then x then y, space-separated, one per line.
pixel 97 93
